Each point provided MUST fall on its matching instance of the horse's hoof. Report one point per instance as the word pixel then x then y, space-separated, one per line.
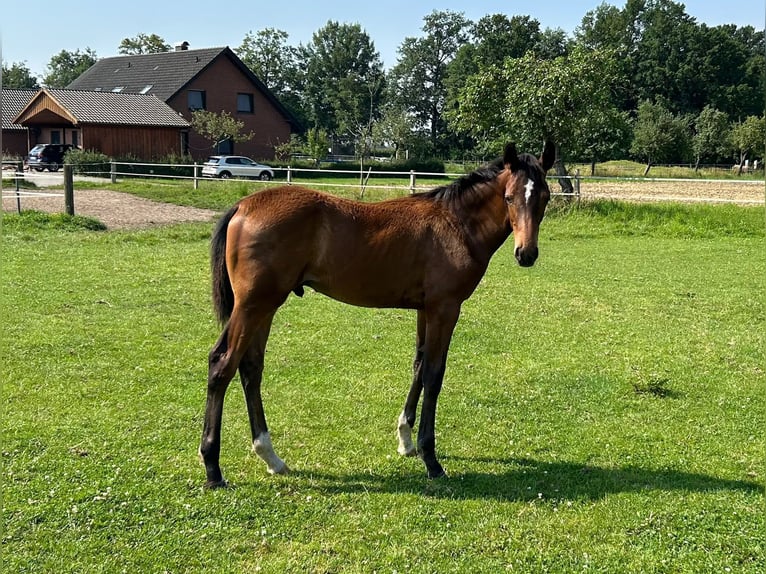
pixel 438 475
pixel 283 469
pixel 407 451
pixel 215 484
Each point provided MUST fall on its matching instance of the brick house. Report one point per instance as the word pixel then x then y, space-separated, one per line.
pixel 214 79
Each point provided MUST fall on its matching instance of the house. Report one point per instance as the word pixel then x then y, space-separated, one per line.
pixel 15 137
pixel 119 125
pixel 213 79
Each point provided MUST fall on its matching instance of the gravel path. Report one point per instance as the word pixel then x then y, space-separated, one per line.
pixel 114 209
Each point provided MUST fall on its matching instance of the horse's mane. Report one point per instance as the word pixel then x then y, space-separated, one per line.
pixel 457 188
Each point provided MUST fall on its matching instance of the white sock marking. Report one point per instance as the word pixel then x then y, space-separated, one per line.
pixel 528 187
pixel 262 447
pixel 406 448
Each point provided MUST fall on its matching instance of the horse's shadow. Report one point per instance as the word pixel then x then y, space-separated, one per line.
pixel 526 479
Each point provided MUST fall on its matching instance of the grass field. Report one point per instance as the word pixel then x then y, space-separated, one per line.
pixel 602 411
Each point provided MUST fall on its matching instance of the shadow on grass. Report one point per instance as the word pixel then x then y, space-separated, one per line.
pixel 525 479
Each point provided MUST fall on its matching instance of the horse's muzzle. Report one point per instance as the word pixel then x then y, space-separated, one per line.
pixel 526 256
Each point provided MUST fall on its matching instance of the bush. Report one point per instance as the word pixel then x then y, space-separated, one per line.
pixel 88 162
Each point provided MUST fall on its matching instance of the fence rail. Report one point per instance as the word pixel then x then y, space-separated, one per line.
pixel 295 176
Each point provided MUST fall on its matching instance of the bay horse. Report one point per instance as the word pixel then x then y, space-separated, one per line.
pixel 426 252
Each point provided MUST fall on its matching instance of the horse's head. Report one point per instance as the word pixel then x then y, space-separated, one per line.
pixel 526 195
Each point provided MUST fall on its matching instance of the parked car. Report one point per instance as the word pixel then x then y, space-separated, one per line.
pixel 50 156
pixel 226 166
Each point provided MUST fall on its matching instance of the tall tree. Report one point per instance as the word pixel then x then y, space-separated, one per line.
pixel 65 67
pixel 343 81
pixel 18 77
pixel 275 62
pixel 143 44
pixel 219 127
pixel 418 80
pixel 271 58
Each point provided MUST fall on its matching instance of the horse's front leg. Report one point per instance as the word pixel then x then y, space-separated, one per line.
pixel 440 323
pixel 407 418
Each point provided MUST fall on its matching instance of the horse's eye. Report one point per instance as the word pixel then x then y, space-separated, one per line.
pixel 509 199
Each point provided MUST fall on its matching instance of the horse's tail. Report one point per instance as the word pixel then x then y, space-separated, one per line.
pixel 223 295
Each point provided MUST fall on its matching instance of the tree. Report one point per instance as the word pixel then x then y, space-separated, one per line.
pixel 271 58
pixel 317 144
pixel 143 44
pixel 529 100
pixel 18 77
pixel 749 137
pixel 659 136
pixel 344 81
pixel 418 80
pixel 395 128
pixel 65 67
pixel 218 127
pixel 711 136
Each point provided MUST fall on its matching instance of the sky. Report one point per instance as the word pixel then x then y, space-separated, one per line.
pixel 101 26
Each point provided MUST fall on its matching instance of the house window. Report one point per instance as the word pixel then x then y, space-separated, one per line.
pixel 245 103
pixel 76 139
pixel 225 147
pixel 55 137
pixel 146 89
pixel 118 89
pixel 196 100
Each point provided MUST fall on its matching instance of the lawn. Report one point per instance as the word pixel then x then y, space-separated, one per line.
pixel 602 411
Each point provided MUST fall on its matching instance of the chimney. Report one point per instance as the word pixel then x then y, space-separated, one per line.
pixel 181 46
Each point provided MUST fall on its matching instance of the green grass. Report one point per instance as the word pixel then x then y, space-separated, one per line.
pixel 602 411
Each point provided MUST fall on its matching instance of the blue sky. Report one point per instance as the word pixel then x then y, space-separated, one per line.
pixel 34 39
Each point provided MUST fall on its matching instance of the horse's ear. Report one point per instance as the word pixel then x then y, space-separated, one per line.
pixel 549 155
pixel 510 157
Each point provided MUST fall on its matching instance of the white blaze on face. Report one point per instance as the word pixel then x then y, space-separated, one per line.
pixel 530 185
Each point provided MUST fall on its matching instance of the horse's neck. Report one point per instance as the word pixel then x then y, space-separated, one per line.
pixel 485 220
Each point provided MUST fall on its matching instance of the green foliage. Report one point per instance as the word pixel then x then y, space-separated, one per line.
pixel 218 127
pixel 711 138
pixel 749 137
pixel 65 67
pixel 143 44
pixel 343 80
pixel 317 144
pixel 659 136
pixel 17 76
pixel 271 59
pixel 88 162
pixel 417 83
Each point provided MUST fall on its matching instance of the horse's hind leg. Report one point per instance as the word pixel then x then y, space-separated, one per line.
pixel 221 369
pixel 251 374
pixel 407 418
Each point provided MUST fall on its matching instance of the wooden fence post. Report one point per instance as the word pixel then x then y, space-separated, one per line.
pixel 196 181
pixel 289 175
pixel 19 175
pixel 113 171
pixel 68 189
pixel 412 182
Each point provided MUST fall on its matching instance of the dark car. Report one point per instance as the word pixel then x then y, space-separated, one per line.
pixel 50 156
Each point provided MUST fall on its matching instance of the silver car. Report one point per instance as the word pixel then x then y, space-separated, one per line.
pixel 227 166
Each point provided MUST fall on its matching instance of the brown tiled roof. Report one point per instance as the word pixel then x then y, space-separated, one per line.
pixel 114 109
pixel 161 74
pixel 164 74
pixel 13 101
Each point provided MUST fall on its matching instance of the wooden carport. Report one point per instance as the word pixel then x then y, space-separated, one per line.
pixel 119 125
